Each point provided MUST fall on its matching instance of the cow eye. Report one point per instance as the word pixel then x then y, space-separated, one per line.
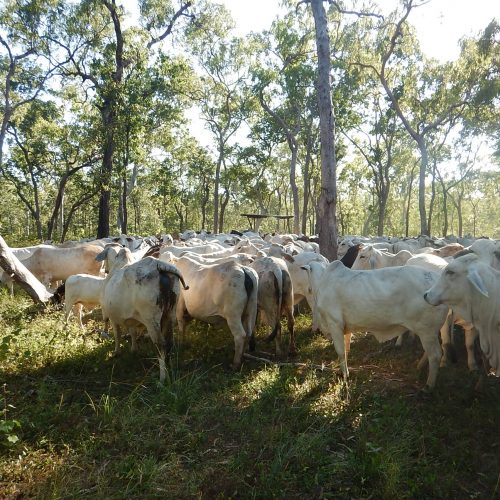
pixel 362 257
pixel 449 272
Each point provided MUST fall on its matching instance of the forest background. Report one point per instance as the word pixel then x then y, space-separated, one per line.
pixel 98 137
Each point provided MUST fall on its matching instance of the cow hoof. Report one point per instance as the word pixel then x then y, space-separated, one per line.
pixel 425 392
pixel 236 367
pixel 292 353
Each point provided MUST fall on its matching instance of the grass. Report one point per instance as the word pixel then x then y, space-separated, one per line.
pixel 93 426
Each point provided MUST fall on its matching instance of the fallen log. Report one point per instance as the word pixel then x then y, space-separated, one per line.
pixel 14 268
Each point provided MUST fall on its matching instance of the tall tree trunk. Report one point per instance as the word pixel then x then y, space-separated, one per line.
pixel 382 209
pixel 295 189
pixel 57 206
pixel 307 182
pixel 108 120
pixel 108 115
pixel 408 205
pixel 327 222
pixel 204 202
pixel 223 205
pixel 424 160
pixel 216 188
pixel 433 197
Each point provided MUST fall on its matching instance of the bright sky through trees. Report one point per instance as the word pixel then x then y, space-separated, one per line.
pixel 440 23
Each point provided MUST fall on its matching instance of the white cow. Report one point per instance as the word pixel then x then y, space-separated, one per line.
pixel 370 257
pixel 488 252
pixel 225 291
pixel 144 293
pixel 54 264
pixel 81 290
pixel 300 279
pixel 472 288
pixel 385 302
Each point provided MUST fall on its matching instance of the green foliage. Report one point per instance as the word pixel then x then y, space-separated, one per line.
pixel 64 116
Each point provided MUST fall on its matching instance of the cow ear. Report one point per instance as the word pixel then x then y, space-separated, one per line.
pixel 477 282
pixel 288 257
pixel 102 256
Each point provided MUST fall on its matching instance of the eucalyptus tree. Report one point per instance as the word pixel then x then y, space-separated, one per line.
pixel 104 55
pixel 26 63
pixel 223 96
pixel 327 224
pixel 482 117
pixel 284 83
pixel 26 166
pixel 426 96
pixel 378 147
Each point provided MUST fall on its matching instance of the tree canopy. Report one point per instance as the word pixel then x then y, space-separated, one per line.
pixel 102 111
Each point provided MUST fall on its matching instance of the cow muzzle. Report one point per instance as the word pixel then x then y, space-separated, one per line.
pixel 431 299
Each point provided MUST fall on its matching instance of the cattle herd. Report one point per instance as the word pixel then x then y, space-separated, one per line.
pixel 384 286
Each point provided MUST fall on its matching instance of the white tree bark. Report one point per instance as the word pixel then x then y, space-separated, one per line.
pixel 18 272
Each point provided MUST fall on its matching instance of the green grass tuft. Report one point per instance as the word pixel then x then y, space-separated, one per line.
pixel 89 425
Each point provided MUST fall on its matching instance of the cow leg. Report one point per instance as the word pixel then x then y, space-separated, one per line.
pixel 347 342
pixel 239 336
pixel 133 337
pixel 277 340
pixel 485 366
pixel 470 334
pixel 291 328
pixel 183 318
pixel 68 309
pixel 336 333
pixel 79 314
pixel 162 337
pixel 399 341
pixel 446 343
pixel 422 362
pixel 117 335
pixel 431 346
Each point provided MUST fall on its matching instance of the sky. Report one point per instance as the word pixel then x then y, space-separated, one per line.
pixel 440 23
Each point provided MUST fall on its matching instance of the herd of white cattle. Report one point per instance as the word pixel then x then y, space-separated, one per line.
pixel 384 286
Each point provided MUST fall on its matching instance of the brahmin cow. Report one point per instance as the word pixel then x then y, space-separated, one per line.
pixel 144 293
pixel 225 291
pixel 385 302
pixel 472 288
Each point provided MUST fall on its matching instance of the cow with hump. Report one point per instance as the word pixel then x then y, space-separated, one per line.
pixel 142 293
pixel 385 302
pixel 226 291
pixel 472 288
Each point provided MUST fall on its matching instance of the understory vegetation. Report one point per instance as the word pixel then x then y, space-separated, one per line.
pixel 78 423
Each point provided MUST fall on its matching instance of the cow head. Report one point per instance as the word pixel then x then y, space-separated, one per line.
pixel 457 278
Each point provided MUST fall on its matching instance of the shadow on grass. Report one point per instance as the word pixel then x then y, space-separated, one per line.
pixel 97 426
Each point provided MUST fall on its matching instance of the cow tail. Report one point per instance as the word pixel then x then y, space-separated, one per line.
pixel 278 287
pixel 167 298
pixel 249 316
